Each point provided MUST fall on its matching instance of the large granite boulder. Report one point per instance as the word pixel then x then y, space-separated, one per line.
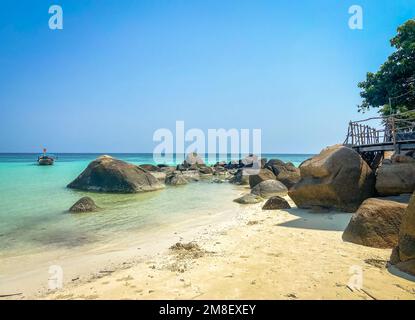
pixel 276 203
pixel 376 223
pixel 257 176
pixel 107 174
pixel 337 178
pixel 85 204
pixel 287 173
pixel 396 176
pixel 269 188
pixel 404 254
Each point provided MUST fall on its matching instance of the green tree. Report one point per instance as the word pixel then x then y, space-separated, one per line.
pixel 395 79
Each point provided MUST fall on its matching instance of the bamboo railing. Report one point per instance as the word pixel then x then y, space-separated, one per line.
pixel 395 128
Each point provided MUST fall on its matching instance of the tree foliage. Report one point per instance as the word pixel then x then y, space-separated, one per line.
pixel 396 77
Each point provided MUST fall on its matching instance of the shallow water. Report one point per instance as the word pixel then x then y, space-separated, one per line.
pixel 34 203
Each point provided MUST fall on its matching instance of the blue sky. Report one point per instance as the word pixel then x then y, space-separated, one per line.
pixel 119 70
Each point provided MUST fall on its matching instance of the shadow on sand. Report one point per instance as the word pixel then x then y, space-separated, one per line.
pixel 330 221
pixel 396 272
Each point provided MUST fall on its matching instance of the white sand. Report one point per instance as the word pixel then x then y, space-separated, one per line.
pixel 258 254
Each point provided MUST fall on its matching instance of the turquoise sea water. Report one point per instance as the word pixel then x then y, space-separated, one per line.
pixel 34 201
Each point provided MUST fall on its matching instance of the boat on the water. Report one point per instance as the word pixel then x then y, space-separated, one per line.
pixel 45 159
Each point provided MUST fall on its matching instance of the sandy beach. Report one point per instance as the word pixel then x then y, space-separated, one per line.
pixel 256 254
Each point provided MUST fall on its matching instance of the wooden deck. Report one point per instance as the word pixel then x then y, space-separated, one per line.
pixel 396 134
pixel 385 146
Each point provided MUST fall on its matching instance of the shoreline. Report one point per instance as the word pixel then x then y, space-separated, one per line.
pixel 253 256
pixel 97 259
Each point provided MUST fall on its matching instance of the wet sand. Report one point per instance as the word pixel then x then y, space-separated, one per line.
pixel 256 254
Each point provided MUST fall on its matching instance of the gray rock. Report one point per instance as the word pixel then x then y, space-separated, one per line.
pixel 276 203
pixel 269 188
pixel 191 175
pixel 241 177
pixel 249 199
pixel 287 173
pixel 205 170
pixel 260 175
pixel 167 169
pixel 194 158
pixel 176 179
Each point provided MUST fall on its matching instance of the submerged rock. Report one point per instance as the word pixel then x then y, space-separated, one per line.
pixel 269 188
pixel 376 223
pixel 337 178
pixel 85 204
pixel 107 174
pixel 248 199
pixel 404 254
pixel 276 203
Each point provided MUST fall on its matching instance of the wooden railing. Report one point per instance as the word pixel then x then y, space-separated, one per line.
pixel 396 128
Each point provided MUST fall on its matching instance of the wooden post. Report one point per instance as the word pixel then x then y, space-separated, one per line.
pixel 352 132
pixel 395 146
pixel 362 134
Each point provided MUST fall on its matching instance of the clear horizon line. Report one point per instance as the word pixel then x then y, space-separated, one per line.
pixel 1 152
